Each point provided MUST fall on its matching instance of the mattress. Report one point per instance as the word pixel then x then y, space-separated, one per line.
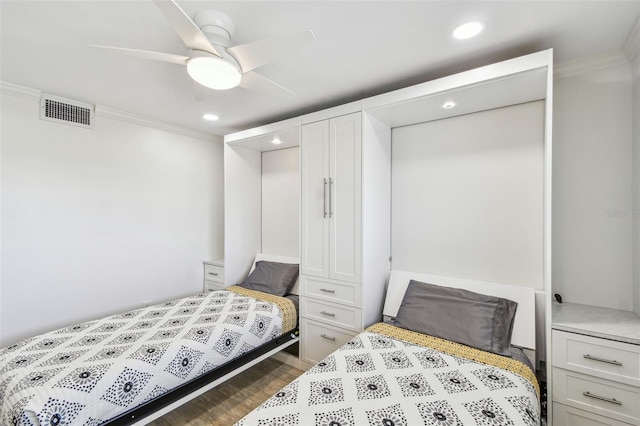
pixel 89 373
pixel 395 377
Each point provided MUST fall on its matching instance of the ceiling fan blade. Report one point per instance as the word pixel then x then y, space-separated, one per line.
pixel 147 54
pixel 255 54
pixel 253 81
pixel 187 30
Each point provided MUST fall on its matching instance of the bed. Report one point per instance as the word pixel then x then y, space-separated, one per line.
pixel 121 369
pixel 391 375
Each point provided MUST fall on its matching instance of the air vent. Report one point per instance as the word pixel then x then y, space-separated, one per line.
pixel 61 110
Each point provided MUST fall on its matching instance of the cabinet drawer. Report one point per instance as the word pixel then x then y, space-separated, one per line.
pixel 564 415
pixel 212 285
pixel 598 357
pixel 319 340
pixel 600 396
pixel 329 313
pixel 345 293
pixel 214 273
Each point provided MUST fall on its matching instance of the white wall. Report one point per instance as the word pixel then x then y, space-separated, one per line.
pixel 636 181
pixel 592 185
pixel 467 196
pixel 99 221
pixel 281 202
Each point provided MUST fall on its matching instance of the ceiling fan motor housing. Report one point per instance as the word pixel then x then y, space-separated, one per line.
pixel 217 26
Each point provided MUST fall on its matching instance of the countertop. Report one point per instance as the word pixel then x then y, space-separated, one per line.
pixel 612 324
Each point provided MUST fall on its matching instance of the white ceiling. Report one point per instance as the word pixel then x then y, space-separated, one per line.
pixel 361 49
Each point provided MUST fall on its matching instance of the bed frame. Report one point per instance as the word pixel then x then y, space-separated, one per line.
pixel 171 400
pixel 524 326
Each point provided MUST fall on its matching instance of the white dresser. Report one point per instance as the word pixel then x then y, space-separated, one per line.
pixel 595 366
pixel 213 274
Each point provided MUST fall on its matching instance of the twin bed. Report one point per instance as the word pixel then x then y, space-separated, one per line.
pixel 120 369
pixel 443 357
pixel 390 375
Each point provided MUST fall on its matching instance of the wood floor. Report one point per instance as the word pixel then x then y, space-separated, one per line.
pixel 232 400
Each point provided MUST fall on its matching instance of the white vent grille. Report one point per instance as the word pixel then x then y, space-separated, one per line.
pixel 61 110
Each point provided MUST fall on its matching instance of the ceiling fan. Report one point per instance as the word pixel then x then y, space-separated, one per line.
pixel 211 60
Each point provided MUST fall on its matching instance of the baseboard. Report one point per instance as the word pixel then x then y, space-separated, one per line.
pixel 289 359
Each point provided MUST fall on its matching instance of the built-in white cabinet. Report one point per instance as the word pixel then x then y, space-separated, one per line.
pixel 332 198
pixel 345 194
pixel 595 366
pixel 338 165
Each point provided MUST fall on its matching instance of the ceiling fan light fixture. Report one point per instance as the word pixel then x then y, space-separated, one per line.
pixel 213 72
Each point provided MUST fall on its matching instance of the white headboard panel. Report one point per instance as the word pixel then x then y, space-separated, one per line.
pixel 524 326
pixel 281 259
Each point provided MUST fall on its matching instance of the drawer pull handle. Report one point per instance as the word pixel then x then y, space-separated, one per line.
pixel 326 290
pixel 602 398
pixel 213 273
pixel 329 314
pixel 333 339
pixel 595 358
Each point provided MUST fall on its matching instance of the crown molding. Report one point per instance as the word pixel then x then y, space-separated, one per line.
pixel 591 63
pixel 631 47
pixel 19 91
pixel 115 114
pixel 28 93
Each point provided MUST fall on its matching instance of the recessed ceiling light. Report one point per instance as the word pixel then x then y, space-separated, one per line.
pixel 210 117
pixel 468 30
pixel 276 141
pixel 448 105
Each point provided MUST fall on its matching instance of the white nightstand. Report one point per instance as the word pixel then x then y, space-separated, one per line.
pixel 596 366
pixel 213 275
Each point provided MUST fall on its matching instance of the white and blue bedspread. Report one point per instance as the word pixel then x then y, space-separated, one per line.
pixel 91 372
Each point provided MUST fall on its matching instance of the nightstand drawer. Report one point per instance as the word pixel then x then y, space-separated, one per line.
pixel 212 285
pixel 345 293
pixel 598 357
pixel 603 397
pixel 214 273
pixel 319 340
pixel 340 316
pixel 564 415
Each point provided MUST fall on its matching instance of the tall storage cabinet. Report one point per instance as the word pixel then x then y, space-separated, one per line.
pixel 332 198
pixel 332 221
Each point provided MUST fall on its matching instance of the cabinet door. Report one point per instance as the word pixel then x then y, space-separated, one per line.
pixel 345 190
pixel 314 224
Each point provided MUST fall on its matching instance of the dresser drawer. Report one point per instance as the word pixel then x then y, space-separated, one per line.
pixel 212 285
pixel 214 273
pixel 330 313
pixel 600 396
pixel 598 357
pixel 319 340
pixel 564 415
pixel 345 293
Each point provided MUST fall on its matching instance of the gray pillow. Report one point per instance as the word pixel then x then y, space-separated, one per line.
pixel 462 316
pixel 272 277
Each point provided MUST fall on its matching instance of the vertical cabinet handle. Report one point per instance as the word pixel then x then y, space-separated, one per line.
pixel 324 197
pixel 330 206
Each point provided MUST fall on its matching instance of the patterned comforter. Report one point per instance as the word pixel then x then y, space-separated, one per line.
pixel 89 373
pixel 389 376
